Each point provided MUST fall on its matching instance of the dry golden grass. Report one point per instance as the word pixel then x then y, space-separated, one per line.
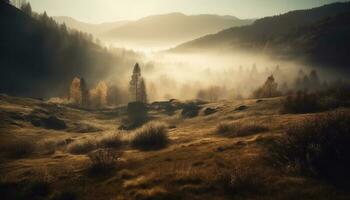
pixel 82 146
pixel 197 165
pixel 239 129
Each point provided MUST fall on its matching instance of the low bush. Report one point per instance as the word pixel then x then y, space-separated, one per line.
pixel 103 160
pixel 318 146
pixel 110 141
pixel 238 129
pixel 151 136
pixel 81 146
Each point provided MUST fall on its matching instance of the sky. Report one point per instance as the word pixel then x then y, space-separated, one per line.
pixel 98 11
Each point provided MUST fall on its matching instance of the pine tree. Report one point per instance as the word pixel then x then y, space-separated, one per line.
pixel 134 83
pixel 269 89
pixel 26 8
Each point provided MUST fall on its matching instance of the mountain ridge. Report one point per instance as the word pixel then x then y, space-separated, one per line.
pixel 280 35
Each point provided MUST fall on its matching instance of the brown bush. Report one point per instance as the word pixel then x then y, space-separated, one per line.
pixel 151 136
pixel 104 159
pixel 110 141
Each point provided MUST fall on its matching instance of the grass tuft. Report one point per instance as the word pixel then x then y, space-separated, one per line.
pixel 81 146
pixel 151 136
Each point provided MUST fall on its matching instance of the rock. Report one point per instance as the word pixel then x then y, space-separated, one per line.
pixel 54 123
pixel 50 122
pixel 240 108
pixel 209 111
pixel 190 110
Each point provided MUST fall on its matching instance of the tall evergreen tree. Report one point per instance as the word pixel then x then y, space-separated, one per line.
pixel 27 8
pixel 134 83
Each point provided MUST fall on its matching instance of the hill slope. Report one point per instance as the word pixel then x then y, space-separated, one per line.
pixel 309 34
pixel 172 28
pixel 197 163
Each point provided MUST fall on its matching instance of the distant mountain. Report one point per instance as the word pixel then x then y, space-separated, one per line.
pixel 39 58
pixel 95 29
pixel 171 29
pixel 319 35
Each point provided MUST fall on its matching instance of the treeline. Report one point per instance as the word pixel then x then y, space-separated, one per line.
pixel 106 94
pixel 39 57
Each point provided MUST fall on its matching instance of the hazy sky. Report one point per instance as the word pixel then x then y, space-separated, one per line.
pixel 96 11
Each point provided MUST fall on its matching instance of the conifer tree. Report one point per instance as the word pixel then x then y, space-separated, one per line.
pixel 134 83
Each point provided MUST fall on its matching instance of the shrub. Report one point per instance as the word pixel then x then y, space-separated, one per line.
pixel 151 136
pixel 103 159
pixel 239 129
pixel 19 148
pixel 81 146
pixel 110 141
pixel 318 146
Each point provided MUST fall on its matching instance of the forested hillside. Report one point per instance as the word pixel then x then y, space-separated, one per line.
pixel 39 57
pixel 319 35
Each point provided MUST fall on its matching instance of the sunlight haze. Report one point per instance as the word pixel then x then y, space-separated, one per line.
pixel 97 11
